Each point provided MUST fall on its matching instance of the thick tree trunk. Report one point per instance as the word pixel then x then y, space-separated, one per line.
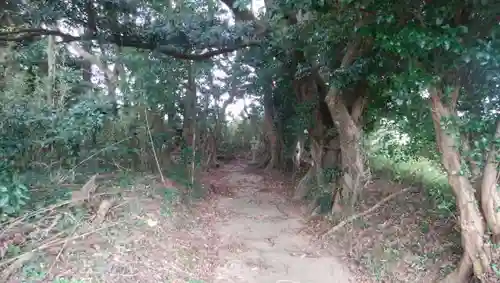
pixel 490 197
pixel 307 91
pixel 332 161
pixel 353 163
pixel 190 134
pixel 353 166
pixel 271 133
pixel 317 161
pixel 476 251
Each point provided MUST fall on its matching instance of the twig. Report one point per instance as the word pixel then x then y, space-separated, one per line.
pixel 18 263
pixel 72 170
pixel 119 205
pixel 189 274
pixel 54 243
pixel 53 225
pixel 54 237
pixel 364 213
pixel 153 147
pixel 45 209
pixel 61 250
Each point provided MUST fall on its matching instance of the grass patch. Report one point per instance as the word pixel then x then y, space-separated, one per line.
pixel 420 172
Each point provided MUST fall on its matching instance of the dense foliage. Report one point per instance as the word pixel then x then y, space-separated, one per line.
pixel 120 83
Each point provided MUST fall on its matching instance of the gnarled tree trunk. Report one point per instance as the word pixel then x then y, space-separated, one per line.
pixel 306 91
pixel 477 250
pixel 354 175
pixel 490 197
pixel 353 162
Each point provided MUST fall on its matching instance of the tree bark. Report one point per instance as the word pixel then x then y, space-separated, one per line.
pixel 51 70
pixel 353 168
pixel 476 251
pixel 302 188
pixel 189 107
pixel 352 160
pixel 270 132
pixel 490 198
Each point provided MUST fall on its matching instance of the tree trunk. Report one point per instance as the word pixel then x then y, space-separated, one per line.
pixel 189 126
pixel 490 198
pixel 170 143
pixel 303 186
pixel 51 70
pixel 270 132
pixel 332 160
pixel 353 167
pixel 6 48
pixel 476 251
pixel 352 159
pixel 189 108
pixel 211 151
pixel 158 128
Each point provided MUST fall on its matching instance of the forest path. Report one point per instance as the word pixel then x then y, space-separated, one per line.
pixel 245 231
pixel 261 230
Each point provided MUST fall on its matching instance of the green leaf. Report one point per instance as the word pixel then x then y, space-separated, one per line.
pixel 240 4
pixel 9 209
pixel 4 200
pixel 447 45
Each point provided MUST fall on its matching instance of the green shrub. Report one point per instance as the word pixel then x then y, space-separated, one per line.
pixel 417 171
pixel 13 195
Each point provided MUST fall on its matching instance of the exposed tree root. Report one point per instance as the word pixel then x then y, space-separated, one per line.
pixel 364 213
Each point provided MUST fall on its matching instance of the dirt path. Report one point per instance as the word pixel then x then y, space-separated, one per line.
pixel 149 236
pixel 260 233
pixel 251 236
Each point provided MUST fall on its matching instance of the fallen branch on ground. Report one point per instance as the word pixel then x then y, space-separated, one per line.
pixel 17 264
pixel 62 249
pixel 364 213
pixel 70 202
pixel 55 243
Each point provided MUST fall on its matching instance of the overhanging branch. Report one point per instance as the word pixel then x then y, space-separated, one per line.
pixel 245 15
pixel 29 34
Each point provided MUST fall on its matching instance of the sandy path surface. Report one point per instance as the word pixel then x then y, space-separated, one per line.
pixel 260 235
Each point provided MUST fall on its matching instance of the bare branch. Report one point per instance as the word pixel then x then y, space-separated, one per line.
pixel 364 213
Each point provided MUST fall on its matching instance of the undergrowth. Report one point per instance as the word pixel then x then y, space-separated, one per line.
pixel 417 171
pixel 56 216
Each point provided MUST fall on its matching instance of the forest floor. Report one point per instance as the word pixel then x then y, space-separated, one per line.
pixel 247 230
